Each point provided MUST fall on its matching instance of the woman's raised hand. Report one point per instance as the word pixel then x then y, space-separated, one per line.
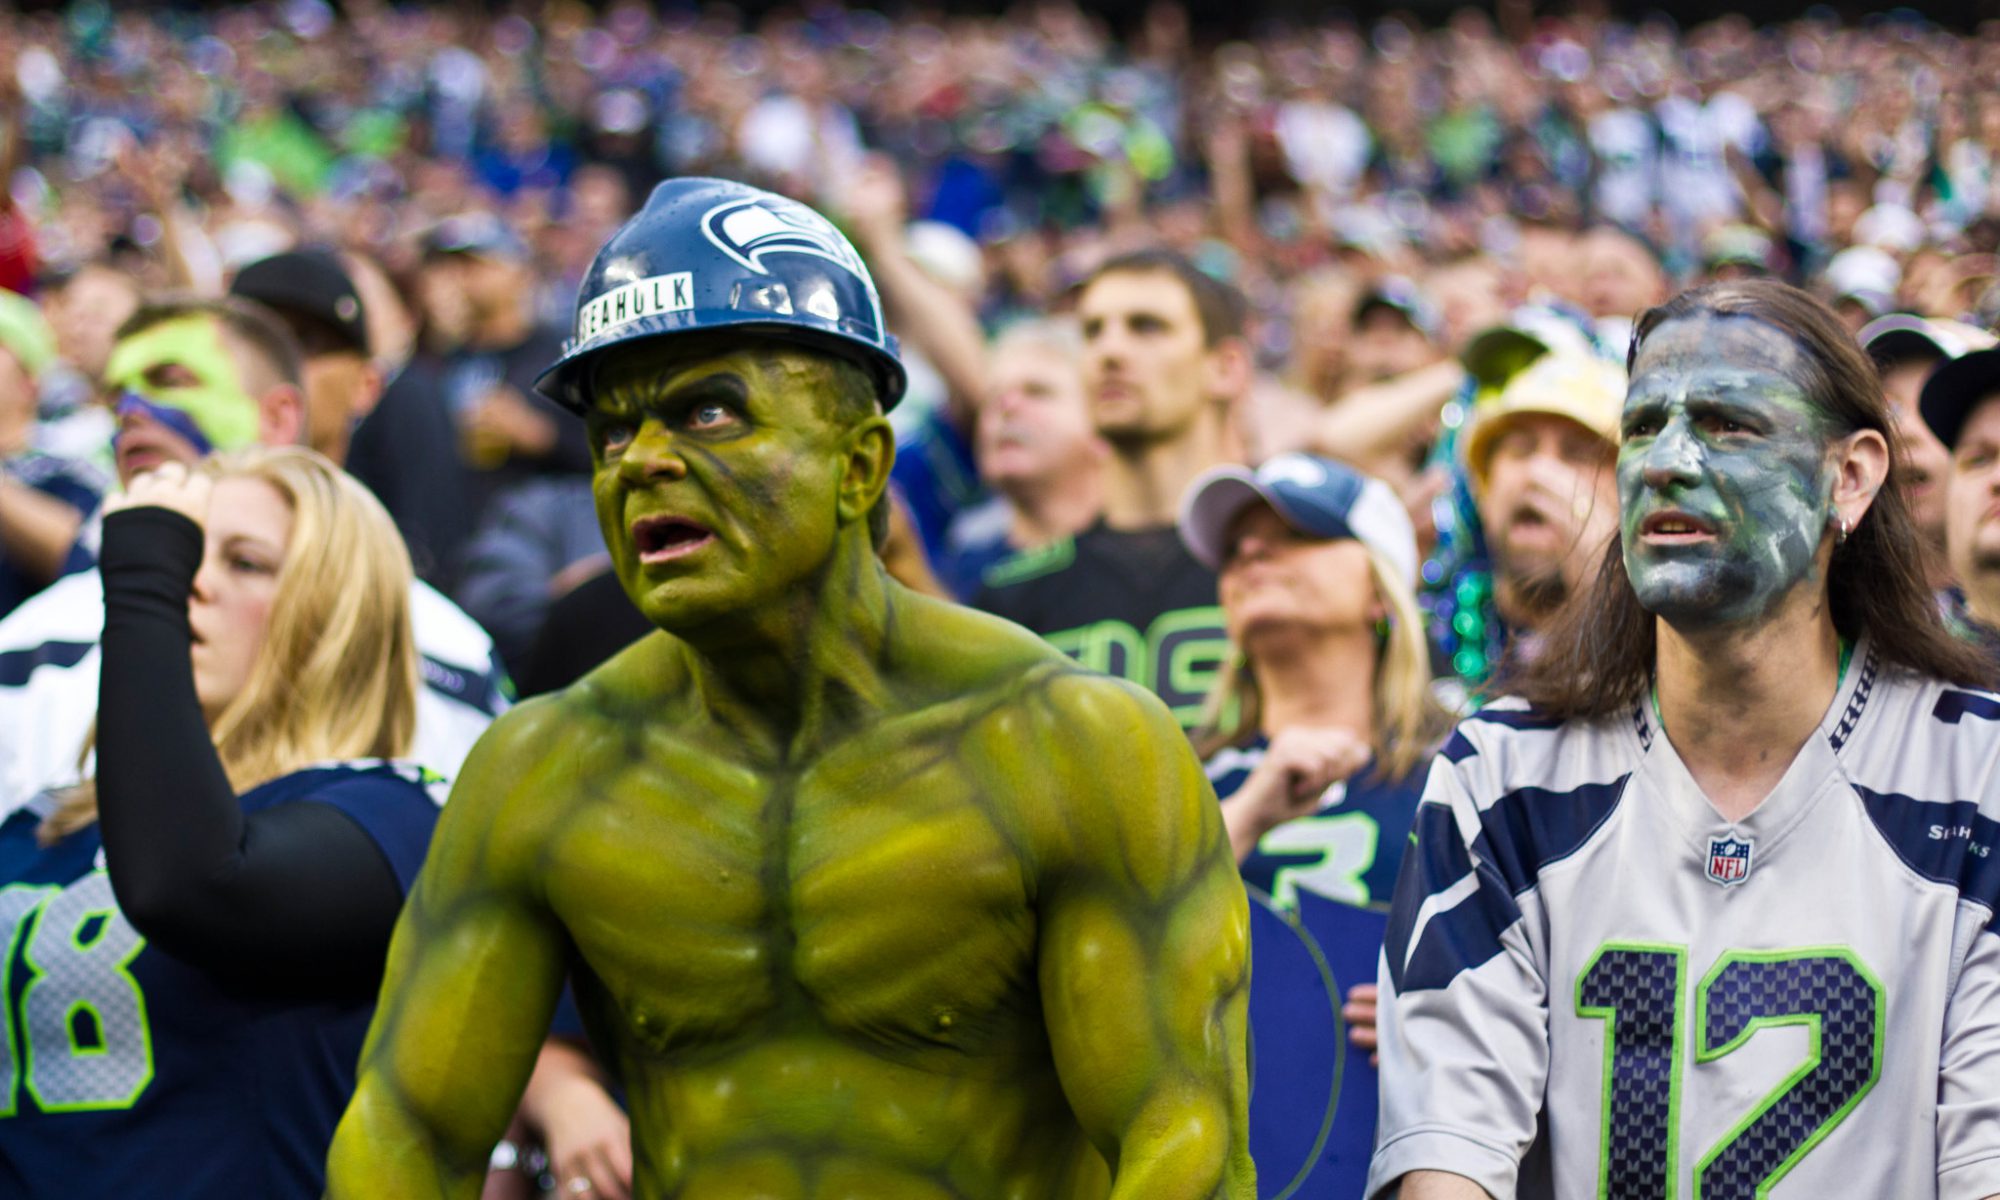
pixel 1299 765
pixel 169 485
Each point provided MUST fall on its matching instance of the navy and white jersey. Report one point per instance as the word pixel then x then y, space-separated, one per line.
pixel 126 1072
pixel 1347 850
pixel 1586 962
pixel 49 668
pixel 1319 886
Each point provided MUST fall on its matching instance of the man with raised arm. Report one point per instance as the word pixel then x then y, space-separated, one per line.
pixel 861 893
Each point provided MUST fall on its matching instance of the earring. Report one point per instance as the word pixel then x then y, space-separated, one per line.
pixel 1840 531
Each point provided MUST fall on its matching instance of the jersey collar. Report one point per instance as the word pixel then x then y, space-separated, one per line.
pixel 1815 771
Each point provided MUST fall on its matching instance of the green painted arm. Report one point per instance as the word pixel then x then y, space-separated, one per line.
pixel 1145 950
pixel 474 972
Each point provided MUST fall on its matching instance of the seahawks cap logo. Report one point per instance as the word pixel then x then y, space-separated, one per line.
pixel 747 230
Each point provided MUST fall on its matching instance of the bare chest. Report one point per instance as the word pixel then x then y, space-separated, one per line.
pixel 876 894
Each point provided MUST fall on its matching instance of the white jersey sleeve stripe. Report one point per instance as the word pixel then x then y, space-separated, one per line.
pixel 478 689
pixel 1459 909
pixel 1524 831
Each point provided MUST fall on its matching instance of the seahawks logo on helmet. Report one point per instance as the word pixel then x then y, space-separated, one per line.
pixel 748 229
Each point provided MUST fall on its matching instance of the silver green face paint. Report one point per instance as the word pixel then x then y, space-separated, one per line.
pixel 1724 480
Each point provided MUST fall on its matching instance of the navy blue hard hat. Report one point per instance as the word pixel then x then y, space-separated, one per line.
pixel 712 254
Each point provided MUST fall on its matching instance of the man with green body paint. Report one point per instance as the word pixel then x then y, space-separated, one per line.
pixel 861 893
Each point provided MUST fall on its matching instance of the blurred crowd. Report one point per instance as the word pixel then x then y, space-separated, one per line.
pixel 1379 194
pixel 1381 275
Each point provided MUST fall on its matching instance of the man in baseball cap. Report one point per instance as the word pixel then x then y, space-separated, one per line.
pixel 1959 405
pixel 1540 456
pixel 311 292
pixel 1906 349
pixel 1395 331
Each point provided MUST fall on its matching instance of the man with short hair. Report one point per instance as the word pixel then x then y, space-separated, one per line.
pixel 1036 446
pixel 1622 277
pixel 865 893
pixel 1540 457
pixel 1907 349
pixel 1961 406
pixel 1395 331
pixel 312 294
pixel 1164 361
pixel 190 378
pixel 477 279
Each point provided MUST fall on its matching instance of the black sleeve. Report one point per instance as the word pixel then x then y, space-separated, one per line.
pixel 296 895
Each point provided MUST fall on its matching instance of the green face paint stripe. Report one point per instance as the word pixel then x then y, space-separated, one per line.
pixel 220 406
pixel 1815 1022
pixel 1609 1015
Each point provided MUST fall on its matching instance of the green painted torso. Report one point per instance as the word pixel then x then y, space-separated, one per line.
pixel 819 978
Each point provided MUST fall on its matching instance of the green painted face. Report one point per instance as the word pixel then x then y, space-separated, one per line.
pixel 1724 479
pixel 717 475
pixel 183 364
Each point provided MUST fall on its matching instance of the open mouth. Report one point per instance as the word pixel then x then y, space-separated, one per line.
pixel 1529 517
pixel 136 457
pixel 1675 528
pixel 663 539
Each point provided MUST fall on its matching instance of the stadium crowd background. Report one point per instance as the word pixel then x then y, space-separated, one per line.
pixel 1384 196
pixel 1456 167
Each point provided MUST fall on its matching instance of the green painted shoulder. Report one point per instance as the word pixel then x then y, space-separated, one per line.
pixel 639 672
pixel 967 649
pixel 1030 564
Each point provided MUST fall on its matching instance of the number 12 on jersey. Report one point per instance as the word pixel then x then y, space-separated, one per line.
pixel 1639 992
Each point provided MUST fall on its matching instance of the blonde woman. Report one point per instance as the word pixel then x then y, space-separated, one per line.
pixel 194 938
pixel 1319 734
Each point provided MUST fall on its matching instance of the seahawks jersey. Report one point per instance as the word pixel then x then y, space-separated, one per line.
pixel 49 668
pixel 1128 602
pixel 1594 985
pixel 127 1072
pixel 1318 887
pixel 1347 850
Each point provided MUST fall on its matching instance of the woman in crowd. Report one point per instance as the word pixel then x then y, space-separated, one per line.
pixel 195 937
pixel 1317 736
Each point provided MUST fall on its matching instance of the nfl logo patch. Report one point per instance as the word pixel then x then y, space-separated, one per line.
pixel 1729 859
